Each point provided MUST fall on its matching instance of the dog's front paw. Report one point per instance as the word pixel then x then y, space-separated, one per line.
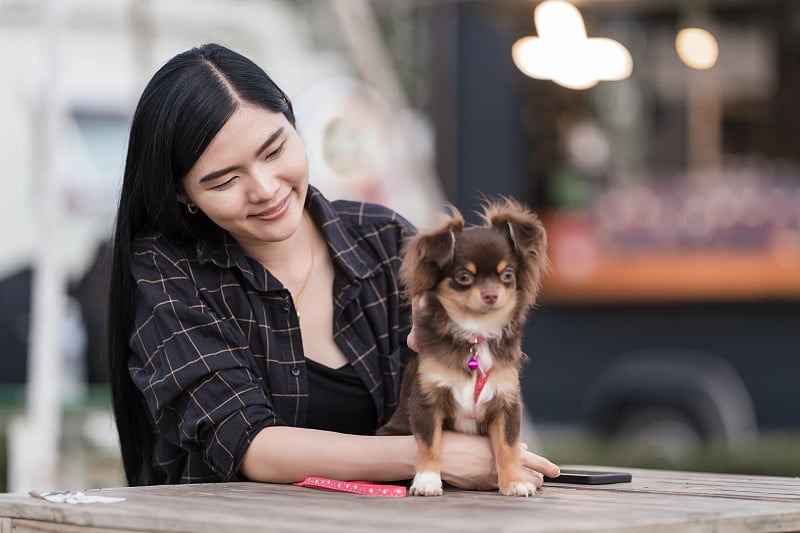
pixel 518 488
pixel 426 484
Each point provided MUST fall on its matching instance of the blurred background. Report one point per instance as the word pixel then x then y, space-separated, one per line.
pixel 656 138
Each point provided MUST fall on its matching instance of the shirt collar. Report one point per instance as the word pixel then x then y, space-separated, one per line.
pixel 220 249
pixel 346 254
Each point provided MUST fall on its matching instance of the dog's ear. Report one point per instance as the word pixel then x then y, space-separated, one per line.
pixel 528 237
pixel 428 253
pixel 523 227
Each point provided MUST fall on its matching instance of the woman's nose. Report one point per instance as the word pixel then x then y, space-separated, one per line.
pixel 263 187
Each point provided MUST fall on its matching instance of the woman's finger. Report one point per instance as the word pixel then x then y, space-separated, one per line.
pixel 539 464
pixel 411 340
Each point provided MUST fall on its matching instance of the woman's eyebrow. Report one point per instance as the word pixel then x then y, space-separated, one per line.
pixel 271 139
pixel 217 173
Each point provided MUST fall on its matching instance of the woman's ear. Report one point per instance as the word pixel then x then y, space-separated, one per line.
pixel 183 198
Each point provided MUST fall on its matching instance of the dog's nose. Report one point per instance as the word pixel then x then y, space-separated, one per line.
pixel 489 297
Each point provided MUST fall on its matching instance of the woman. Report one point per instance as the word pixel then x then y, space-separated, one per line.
pixel 257 330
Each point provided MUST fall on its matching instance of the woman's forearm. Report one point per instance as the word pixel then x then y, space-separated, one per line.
pixel 283 454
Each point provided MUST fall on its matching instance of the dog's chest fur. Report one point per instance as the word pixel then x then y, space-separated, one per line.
pixel 467 411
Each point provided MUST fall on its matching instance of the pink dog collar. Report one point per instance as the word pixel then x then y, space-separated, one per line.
pixel 473 365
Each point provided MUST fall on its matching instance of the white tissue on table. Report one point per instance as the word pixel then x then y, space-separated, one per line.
pixel 68 496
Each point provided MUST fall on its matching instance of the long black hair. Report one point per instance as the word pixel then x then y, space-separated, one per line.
pixel 182 108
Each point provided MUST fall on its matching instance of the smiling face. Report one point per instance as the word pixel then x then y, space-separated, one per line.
pixel 252 178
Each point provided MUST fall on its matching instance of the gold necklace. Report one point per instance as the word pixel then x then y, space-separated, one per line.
pixel 305 283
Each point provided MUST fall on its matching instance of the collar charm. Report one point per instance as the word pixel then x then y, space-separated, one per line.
pixel 474 340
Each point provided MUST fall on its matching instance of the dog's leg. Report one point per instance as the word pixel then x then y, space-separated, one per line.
pixel 428 434
pixel 503 432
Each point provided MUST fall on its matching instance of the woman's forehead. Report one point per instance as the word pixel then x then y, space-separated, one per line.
pixel 247 132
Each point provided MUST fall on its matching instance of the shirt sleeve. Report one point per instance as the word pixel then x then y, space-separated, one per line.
pixel 407 230
pixel 194 368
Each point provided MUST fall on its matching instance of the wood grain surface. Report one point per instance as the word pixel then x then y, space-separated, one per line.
pixel 655 501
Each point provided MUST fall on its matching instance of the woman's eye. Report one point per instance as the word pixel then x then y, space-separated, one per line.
pixel 507 276
pixel 463 278
pixel 276 152
pixel 223 186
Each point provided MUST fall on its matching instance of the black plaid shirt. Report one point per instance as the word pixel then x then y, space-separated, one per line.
pixel 216 348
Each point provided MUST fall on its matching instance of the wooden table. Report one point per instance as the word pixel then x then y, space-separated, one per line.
pixel 655 501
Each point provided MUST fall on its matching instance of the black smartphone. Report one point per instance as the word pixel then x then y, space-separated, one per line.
pixel 589 477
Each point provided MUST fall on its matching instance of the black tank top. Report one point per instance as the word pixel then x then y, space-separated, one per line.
pixel 339 401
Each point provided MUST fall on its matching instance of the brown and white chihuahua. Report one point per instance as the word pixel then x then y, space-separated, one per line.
pixel 474 286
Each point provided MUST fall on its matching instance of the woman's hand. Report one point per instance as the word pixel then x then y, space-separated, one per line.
pixel 417 303
pixel 468 463
pixel 411 340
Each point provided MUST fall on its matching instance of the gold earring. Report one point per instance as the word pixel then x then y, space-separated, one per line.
pixel 192 208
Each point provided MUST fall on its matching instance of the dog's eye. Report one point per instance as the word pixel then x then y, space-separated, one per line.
pixel 507 276
pixel 463 278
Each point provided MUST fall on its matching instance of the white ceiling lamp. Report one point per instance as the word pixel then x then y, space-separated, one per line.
pixel 697 48
pixel 564 54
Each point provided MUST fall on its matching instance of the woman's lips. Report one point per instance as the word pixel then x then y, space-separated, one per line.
pixel 275 212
